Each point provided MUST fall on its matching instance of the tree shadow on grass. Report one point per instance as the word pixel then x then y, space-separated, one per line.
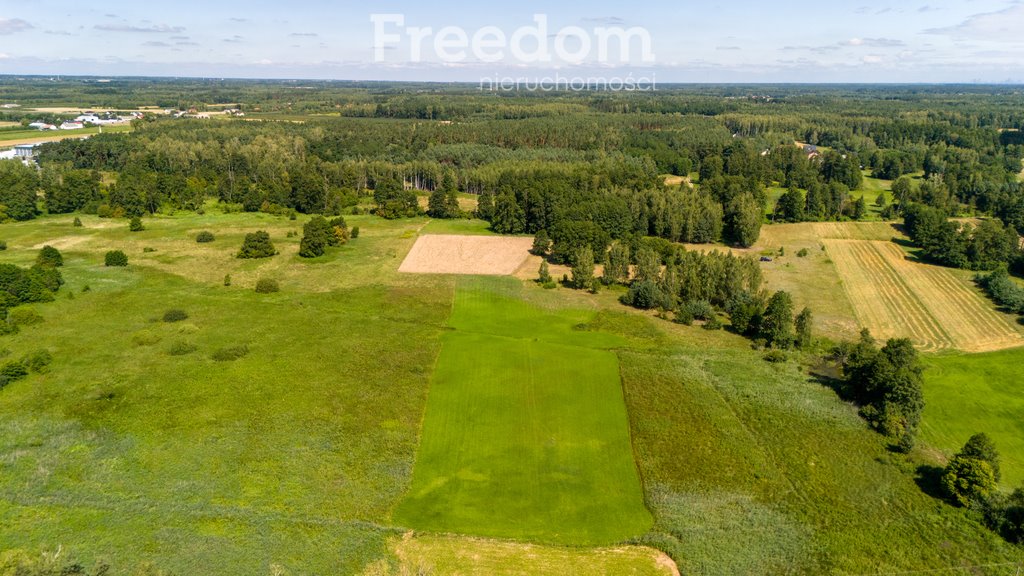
pixel 928 479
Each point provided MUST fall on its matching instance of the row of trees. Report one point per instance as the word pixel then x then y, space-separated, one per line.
pixel 986 246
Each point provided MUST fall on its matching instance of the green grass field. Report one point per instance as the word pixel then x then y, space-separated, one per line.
pixel 18 135
pixel 967 394
pixel 291 456
pixel 526 434
pixel 372 401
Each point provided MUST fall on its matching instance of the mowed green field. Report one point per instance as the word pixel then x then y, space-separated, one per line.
pixel 292 456
pixel 526 434
pixel 968 394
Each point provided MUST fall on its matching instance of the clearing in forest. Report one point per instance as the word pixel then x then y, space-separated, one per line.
pixel 526 434
pixel 472 255
pixel 895 297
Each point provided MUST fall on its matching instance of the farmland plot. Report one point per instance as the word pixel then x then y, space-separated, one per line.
pixel 895 297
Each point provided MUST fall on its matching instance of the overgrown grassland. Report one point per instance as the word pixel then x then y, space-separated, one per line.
pixel 292 455
pixel 968 394
pixel 526 433
pixel 755 469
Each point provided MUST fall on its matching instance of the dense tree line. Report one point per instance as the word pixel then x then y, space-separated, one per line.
pixel 984 246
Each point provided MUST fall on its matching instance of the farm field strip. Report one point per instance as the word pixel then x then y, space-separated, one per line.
pixel 895 297
pixel 882 302
pixel 962 310
pixel 524 438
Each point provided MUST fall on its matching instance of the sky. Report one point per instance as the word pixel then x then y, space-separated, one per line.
pixel 738 41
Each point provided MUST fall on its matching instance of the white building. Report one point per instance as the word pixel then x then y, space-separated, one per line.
pixel 25 151
pixel 72 126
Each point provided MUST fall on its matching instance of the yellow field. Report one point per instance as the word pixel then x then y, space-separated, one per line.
pixel 933 306
pixel 462 556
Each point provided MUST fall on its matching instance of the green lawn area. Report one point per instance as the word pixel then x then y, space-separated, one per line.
pixel 968 394
pixel 526 434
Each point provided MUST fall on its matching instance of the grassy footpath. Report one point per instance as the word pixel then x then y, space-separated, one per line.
pixel 525 434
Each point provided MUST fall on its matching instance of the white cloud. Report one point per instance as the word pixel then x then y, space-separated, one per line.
pixel 13 26
pixel 155 29
pixel 1002 26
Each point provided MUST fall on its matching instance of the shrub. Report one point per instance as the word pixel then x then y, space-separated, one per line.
pixel 8 329
pixel 776 357
pixel 77 223
pixel 38 361
pixel 701 310
pixel 86 288
pixel 257 245
pixel 3 245
pixel 175 315
pixel 115 258
pixel 205 237
pixel 148 250
pixel 803 253
pixel 230 353
pixel 317 235
pixel 227 279
pixel 135 225
pixel 49 257
pixel 355 233
pixel 713 323
pixel 267 286
pixel 11 371
pixel 684 316
pixel 24 317
pixel 181 348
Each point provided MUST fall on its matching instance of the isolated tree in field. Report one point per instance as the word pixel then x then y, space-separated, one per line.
pixel 544 274
pixel 257 245
pixel 616 266
pixel 804 329
pixel 49 257
pixel 968 481
pixel 777 322
pixel 981 447
pixel 205 237
pixel 340 234
pixel 317 235
pixel 509 217
pixel 583 269
pixel 135 225
pixel 541 243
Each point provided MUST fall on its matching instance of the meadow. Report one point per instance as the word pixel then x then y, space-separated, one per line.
pixel 526 434
pixel 967 394
pixel 376 409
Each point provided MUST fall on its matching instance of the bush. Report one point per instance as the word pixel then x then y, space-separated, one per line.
pixel 181 348
pixel 115 258
pixel 230 353
pixel 205 237
pixel 24 317
pixel 713 323
pixel 38 361
pixel 8 329
pixel 49 257
pixel 227 279
pixel 355 232
pixel 175 315
pixel 135 225
pixel 148 250
pixel 77 223
pixel 701 309
pixel 267 286
pixel 803 253
pixel 3 245
pixel 11 371
pixel 257 245
pixel 776 357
